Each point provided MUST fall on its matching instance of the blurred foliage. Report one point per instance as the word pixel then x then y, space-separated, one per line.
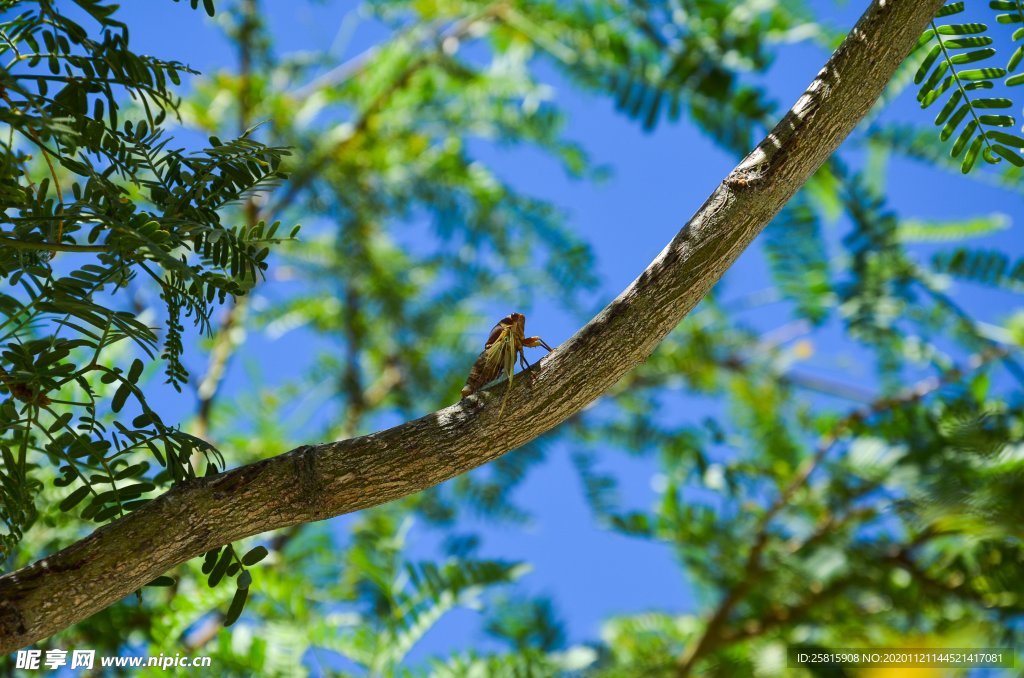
pixel 880 508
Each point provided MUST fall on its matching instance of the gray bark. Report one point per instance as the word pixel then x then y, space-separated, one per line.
pixel 322 481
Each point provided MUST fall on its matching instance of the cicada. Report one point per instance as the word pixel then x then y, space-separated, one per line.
pixel 505 343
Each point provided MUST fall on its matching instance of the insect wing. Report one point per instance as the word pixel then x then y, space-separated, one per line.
pixel 508 355
pixel 496 333
pixel 490 362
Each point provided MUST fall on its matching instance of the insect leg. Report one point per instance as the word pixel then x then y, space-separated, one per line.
pixel 536 341
pixel 523 362
pixel 526 365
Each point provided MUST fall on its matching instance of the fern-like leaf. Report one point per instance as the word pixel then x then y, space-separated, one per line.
pixel 964 114
pixel 988 267
pixel 798 260
pixel 918 144
pixel 1014 15
pixel 912 230
pixel 433 591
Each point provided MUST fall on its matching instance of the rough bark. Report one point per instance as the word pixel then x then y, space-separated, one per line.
pixel 321 481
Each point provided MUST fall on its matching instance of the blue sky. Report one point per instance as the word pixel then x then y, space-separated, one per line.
pixel 658 180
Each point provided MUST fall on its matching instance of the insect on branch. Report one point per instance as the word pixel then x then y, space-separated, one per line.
pixel 504 344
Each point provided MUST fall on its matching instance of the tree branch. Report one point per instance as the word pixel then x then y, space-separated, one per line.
pixel 322 481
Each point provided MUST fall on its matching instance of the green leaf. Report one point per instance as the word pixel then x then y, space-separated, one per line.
pixel 971 57
pixel 962 29
pixel 162 580
pixel 60 422
pixel 932 95
pixel 965 43
pixel 961 141
pixel 950 107
pixel 980 385
pixel 143 420
pixel 1015 58
pixel 982 73
pixel 120 396
pixel 236 607
pixel 927 63
pixel 972 154
pixel 1012 156
pixel 244 579
pixel 209 560
pixel 991 102
pixel 996 120
pixel 933 80
pixel 133 471
pixel 978 85
pixel 254 556
pixel 950 9
pixel 135 371
pixel 220 568
pixel 954 122
pixel 1010 18
pixel 74 498
pixel 135 490
pixel 912 230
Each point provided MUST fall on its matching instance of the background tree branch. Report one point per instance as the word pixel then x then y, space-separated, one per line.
pixel 318 482
pixel 717 631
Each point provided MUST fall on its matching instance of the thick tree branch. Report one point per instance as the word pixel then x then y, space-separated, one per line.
pixel 318 482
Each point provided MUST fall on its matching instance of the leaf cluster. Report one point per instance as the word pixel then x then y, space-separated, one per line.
pixel 956 64
pixel 95 196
